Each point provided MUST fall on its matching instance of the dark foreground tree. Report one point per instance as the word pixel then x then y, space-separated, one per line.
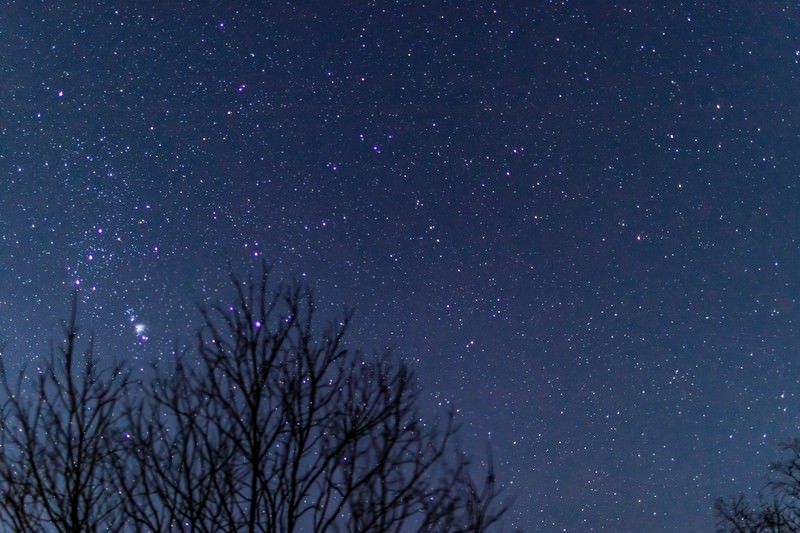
pixel 776 508
pixel 57 442
pixel 270 425
pixel 274 426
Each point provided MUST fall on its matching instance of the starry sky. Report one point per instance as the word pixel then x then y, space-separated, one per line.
pixel 576 220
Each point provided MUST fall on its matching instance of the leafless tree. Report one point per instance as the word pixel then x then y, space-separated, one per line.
pixel 268 425
pixel 58 442
pixel 272 425
pixel 777 507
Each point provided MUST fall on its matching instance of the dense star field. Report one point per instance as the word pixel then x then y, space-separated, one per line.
pixel 576 220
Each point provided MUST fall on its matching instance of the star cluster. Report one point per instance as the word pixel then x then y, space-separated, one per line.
pixel 576 220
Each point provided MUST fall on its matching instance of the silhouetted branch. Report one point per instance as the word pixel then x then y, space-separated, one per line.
pixel 59 442
pixel 777 509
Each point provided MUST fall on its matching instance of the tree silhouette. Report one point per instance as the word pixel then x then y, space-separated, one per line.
pixel 57 442
pixel 777 506
pixel 268 425
pixel 271 427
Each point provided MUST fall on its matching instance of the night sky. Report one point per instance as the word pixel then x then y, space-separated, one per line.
pixel 576 221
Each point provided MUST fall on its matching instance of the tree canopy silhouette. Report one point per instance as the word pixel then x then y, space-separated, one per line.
pixel 776 508
pixel 270 424
pixel 57 430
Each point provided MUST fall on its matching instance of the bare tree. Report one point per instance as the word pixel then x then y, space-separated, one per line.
pixel 777 507
pixel 268 425
pixel 58 442
pixel 272 425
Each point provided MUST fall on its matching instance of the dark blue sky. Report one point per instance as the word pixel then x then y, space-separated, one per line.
pixel 577 221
